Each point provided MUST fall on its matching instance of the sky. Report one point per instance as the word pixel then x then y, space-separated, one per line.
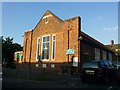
pixel 99 19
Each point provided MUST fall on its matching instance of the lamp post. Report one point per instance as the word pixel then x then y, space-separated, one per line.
pixel 30 53
pixel 80 48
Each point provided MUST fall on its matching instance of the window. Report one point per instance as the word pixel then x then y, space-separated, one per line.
pixel 104 55
pixel 97 54
pixel 53 47
pixel 46 20
pixel 110 56
pixel 38 56
pixel 45 47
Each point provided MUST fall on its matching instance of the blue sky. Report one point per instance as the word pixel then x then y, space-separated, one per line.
pixel 99 19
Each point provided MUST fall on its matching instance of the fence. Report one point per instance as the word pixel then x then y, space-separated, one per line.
pixel 30 74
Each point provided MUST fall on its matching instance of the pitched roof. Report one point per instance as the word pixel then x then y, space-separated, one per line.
pixel 93 41
pixel 114 46
pixel 48 11
pixel 82 33
pixel 71 18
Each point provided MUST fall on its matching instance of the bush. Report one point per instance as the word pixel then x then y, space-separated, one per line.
pixel 12 66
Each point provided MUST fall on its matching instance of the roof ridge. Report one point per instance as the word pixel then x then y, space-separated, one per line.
pixel 71 18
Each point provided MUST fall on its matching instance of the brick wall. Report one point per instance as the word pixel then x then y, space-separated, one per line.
pixel 60 29
pixel 26 46
pixel 67 34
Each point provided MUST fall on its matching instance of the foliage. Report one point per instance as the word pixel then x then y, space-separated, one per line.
pixel 8 49
pixel 117 51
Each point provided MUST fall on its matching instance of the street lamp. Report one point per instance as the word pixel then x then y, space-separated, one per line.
pixel 80 52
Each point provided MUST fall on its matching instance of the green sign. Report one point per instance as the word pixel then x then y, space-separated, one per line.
pixel 18 55
pixel 70 51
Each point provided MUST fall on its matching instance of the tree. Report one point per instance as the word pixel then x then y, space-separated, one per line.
pixel 117 52
pixel 8 49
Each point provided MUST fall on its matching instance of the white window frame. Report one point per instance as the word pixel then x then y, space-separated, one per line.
pixel 37 49
pixel 97 54
pixel 42 48
pixel 104 54
pixel 54 47
pixel 47 16
pixel 46 19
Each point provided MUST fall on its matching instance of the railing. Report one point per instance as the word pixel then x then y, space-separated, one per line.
pixel 30 74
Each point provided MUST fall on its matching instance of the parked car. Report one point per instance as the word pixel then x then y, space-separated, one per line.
pixel 117 65
pixel 98 70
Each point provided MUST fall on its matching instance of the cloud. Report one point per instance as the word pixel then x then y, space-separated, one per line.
pixel 111 28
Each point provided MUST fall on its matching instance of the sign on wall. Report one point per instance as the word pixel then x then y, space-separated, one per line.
pixel 70 51
pixel 18 55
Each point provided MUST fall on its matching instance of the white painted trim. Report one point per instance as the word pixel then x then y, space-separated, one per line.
pixel 47 16
pixel 46 22
pixel 42 48
pixel 37 48
pixel 52 47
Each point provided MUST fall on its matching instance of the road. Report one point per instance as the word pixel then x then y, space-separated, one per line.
pixel 63 83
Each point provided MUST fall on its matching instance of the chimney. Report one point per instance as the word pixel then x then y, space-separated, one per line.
pixel 112 42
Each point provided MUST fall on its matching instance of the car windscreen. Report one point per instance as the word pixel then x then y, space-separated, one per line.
pixel 90 65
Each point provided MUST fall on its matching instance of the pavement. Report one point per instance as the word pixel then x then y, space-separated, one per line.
pixel 69 82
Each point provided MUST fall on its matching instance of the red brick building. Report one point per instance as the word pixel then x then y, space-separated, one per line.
pixel 55 43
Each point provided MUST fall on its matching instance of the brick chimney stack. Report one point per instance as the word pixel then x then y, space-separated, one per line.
pixel 112 42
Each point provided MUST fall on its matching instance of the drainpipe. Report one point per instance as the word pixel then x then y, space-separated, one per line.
pixel 25 50
pixel 30 48
pixel 68 46
pixel 30 52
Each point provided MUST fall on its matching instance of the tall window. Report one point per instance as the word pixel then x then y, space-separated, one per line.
pixel 38 49
pixel 110 56
pixel 97 54
pixel 45 47
pixel 53 46
pixel 104 55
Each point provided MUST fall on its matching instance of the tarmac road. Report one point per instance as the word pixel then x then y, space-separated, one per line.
pixel 70 82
